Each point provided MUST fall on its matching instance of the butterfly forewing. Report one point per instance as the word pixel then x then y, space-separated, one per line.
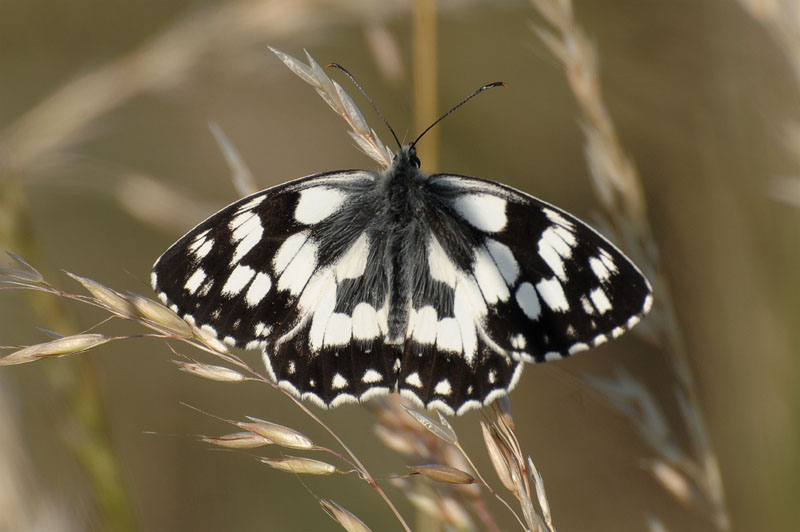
pixel 552 286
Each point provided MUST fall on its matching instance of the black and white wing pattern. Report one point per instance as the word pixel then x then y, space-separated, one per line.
pixel 357 283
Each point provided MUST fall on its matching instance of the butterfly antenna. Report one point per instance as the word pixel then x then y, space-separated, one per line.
pixel 361 89
pixel 462 102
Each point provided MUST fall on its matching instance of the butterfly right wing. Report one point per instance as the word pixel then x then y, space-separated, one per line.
pixel 284 271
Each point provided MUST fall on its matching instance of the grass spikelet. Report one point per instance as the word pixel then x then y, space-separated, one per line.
pixel 238 440
pixel 68 345
pixel 345 518
pixel 300 465
pixel 443 473
pixel 111 299
pixel 278 434
pixel 160 316
pixel 27 275
pixel 440 430
pixel 210 371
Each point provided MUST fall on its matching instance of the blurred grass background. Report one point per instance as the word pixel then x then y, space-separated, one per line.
pixel 702 96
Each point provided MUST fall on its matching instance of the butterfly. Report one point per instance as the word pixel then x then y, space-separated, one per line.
pixel 358 283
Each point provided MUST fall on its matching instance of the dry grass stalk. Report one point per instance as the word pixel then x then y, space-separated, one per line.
pixel 161 322
pixel 620 191
pixel 425 440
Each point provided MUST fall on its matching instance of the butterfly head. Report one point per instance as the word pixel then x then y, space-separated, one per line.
pixel 406 157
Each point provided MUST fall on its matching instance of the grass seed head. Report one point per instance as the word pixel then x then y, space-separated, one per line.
pixel 112 299
pixel 278 434
pixel 210 371
pixel 349 522
pixel 443 473
pixel 161 316
pixel 67 345
pixel 300 465
pixel 238 440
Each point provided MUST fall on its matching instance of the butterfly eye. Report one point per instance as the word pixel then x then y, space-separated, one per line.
pixel 412 157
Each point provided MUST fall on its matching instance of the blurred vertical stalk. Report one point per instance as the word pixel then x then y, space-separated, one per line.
pixel 424 66
pixel 619 189
pixel 81 419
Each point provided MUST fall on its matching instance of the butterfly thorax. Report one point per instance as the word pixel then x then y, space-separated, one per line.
pixel 403 230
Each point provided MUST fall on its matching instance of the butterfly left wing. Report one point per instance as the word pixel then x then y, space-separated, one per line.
pixel 513 279
pixel 284 271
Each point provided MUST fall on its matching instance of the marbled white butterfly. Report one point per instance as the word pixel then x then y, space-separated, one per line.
pixel 359 283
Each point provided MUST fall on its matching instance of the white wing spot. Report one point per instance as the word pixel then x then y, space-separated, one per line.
pixel 443 387
pixel 554 247
pixel 338 329
pixel 518 341
pixel 258 289
pixel 577 348
pixel 414 380
pixel 482 211
pixel 492 377
pixel 371 376
pixel 424 323
pixel 204 249
pixel 504 258
pixel 195 280
pixel 338 382
pixel 448 335
pixel 552 293
pixel 298 263
pixel 616 332
pixel 588 308
pixel 466 320
pixel 288 250
pixel 319 295
pixel 558 218
pixel 440 265
pixel 599 340
pixel 247 231
pixel 552 355
pixel 608 260
pixel 600 300
pixel 491 282
pixel 600 269
pixel 237 280
pixel 354 262
pixel 255 202
pixel 365 322
pixel 262 329
pixel 316 204
pixel 291 369
pixel 528 301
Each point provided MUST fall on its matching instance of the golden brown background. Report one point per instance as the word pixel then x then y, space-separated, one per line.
pixel 104 103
